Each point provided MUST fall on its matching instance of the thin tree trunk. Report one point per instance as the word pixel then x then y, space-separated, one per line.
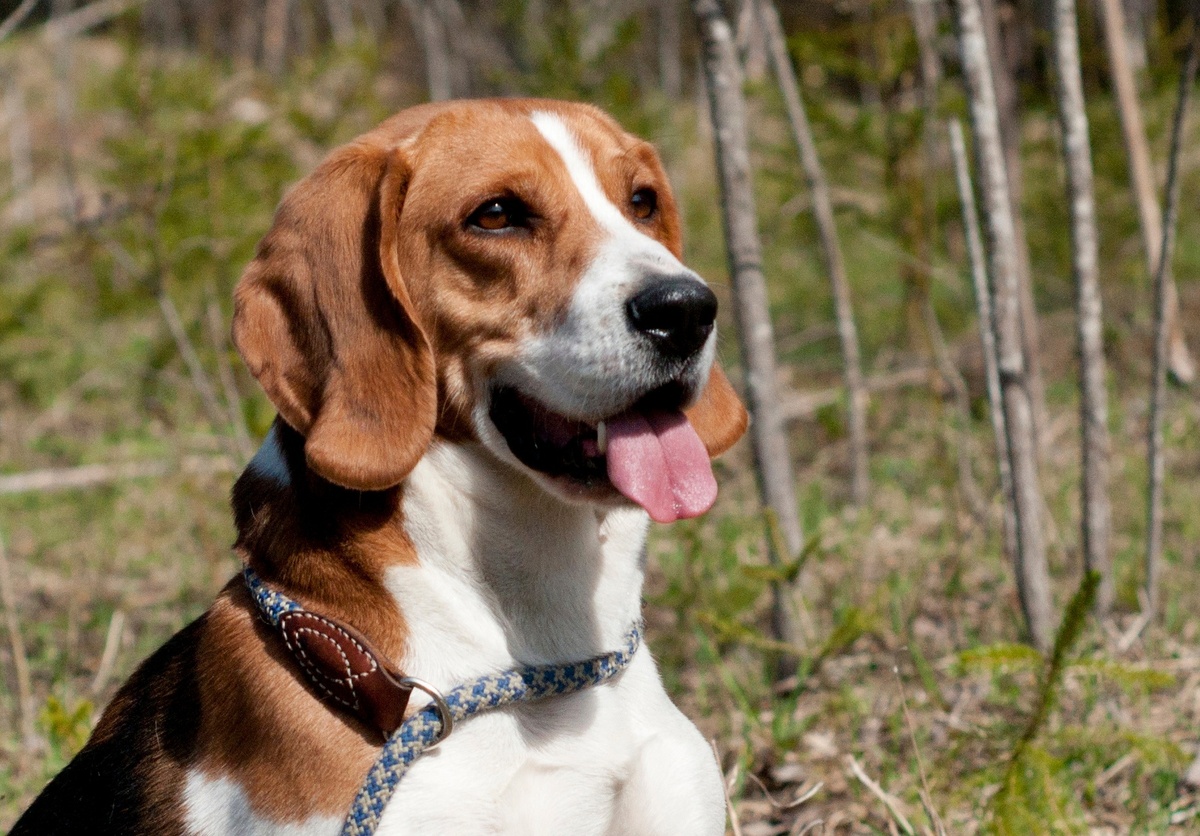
pixel 1008 112
pixel 1093 396
pixel 835 265
pixel 341 21
pixel 20 149
pixel 1141 177
pixel 924 15
pixel 772 457
pixel 751 42
pixel 987 321
pixel 1162 281
pixel 64 110
pixel 670 45
pixel 1028 551
pixel 276 22
pixel 435 45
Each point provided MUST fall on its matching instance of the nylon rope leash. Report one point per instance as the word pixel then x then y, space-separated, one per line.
pixel 434 722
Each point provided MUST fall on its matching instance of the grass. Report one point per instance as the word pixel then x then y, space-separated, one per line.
pixel 904 602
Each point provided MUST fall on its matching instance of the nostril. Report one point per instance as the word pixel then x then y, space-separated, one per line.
pixel 677 313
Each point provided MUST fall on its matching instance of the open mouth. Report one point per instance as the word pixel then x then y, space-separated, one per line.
pixel 649 452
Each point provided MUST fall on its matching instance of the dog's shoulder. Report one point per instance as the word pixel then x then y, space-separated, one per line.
pixel 124 779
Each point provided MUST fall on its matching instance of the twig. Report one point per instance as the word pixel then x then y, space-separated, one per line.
pixel 786 805
pixel 64 108
pixel 86 476
pixel 890 801
pixel 90 16
pixel 1120 765
pixel 926 795
pixel 112 646
pixel 733 816
pixel 1162 284
pixel 962 405
pixel 200 378
pixel 20 148
pixel 233 401
pixel 20 659
pixel 15 19
pixel 987 331
pixel 796 405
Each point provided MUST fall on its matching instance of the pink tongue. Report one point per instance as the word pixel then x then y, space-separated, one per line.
pixel 659 462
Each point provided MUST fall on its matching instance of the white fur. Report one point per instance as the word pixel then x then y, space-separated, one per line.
pixel 219 807
pixel 507 574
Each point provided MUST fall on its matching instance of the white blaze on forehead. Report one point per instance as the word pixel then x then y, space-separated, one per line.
pixel 583 174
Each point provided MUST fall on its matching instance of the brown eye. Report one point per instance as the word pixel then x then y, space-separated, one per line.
pixel 644 203
pixel 499 214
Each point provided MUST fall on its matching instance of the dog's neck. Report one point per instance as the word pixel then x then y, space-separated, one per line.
pixel 507 572
pixel 485 567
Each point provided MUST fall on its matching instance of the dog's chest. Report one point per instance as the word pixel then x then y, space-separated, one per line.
pixel 557 766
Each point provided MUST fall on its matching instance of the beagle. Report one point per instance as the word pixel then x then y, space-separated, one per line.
pixel 492 370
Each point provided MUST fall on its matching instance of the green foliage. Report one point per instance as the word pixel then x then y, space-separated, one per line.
pixel 65 730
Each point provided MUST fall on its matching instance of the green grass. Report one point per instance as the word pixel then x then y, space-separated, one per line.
pixel 907 597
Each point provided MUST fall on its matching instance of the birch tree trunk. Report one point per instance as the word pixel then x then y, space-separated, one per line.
pixel 341 21
pixel 1008 114
pixel 1141 177
pixel 1028 550
pixel 772 457
pixel 1085 267
pixel 670 44
pixel 835 265
pixel 276 21
pixel 20 149
pixel 432 33
pixel 987 323
pixel 1158 387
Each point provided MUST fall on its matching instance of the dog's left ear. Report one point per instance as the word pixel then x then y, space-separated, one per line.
pixel 718 415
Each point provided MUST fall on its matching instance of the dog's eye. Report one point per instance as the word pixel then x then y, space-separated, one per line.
pixel 499 214
pixel 644 204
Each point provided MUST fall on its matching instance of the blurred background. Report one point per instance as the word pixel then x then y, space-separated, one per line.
pixel 144 146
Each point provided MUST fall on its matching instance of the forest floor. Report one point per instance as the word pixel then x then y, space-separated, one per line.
pixel 913 702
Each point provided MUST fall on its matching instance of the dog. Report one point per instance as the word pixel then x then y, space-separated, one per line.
pixel 491 370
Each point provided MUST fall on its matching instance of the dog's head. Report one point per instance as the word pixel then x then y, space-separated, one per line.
pixel 506 272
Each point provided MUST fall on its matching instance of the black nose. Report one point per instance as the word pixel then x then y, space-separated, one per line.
pixel 677 313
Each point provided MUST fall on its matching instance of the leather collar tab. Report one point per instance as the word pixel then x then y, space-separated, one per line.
pixel 340 663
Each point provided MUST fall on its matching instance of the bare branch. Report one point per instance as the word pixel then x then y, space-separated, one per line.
pixel 1141 179
pixel 17 17
pixel 987 326
pixel 889 801
pixel 8 599
pixel 1162 284
pixel 91 475
pixel 90 16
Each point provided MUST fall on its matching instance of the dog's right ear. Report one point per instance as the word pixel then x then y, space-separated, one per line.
pixel 324 321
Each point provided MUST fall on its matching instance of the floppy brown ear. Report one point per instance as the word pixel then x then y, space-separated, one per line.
pixel 718 415
pixel 324 321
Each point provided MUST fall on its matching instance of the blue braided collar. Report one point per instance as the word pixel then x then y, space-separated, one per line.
pixel 433 723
